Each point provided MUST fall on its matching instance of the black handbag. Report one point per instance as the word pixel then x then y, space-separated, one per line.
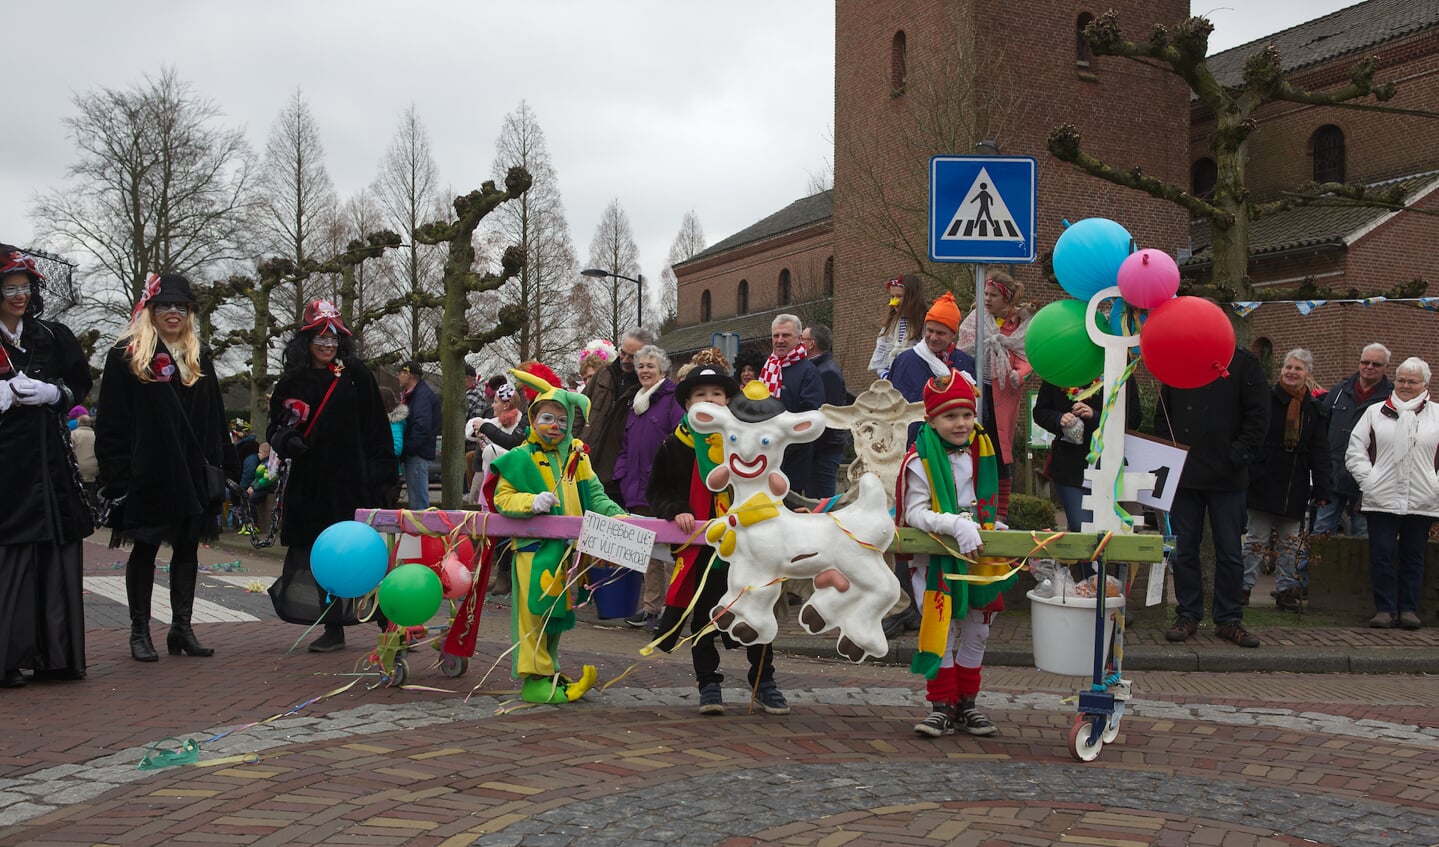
pixel 212 478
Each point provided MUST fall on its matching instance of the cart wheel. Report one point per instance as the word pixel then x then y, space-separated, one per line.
pixel 402 673
pixel 1080 746
pixel 1111 729
pixel 453 666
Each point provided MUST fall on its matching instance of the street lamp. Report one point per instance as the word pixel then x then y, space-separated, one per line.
pixel 600 273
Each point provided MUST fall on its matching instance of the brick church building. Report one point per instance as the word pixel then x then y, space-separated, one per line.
pixel 916 78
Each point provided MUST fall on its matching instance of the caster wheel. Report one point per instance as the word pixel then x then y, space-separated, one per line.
pixel 453 666
pixel 402 673
pixel 1080 746
pixel 1111 729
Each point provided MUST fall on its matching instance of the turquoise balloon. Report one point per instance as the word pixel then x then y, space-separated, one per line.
pixel 349 559
pixel 1058 347
pixel 411 594
pixel 1088 254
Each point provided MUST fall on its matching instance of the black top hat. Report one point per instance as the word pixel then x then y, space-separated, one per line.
pixel 705 375
pixel 754 403
pixel 174 288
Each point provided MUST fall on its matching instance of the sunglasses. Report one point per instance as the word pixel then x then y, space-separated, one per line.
pixel 167 308
pixel 325 342
pixel 1364 364
pixel 15 292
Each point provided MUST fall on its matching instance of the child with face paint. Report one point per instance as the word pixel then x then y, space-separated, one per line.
pixel 549 474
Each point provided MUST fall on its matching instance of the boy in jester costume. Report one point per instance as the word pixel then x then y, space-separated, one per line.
pixel 949 487
pixel 677 492
pixel 549 474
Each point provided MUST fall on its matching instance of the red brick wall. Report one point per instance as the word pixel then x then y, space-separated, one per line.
pixel 804 258
pixel 1127 114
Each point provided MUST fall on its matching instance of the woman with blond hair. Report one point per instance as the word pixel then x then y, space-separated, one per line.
pixel 160 440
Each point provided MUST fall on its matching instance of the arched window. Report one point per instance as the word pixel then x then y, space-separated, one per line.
pixel 1083 53
pixel 741 300
pixel 705 306
pixel 829 277
pixel 1203 175
pixel 898 69
pixel 784 291
pixel 1326 145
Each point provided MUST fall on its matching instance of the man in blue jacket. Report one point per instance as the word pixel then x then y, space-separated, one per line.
pixel 1344 405
pixel 829 449
pixel 793 378
pixel 421 430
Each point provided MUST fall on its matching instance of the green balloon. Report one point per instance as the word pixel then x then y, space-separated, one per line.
pixel 1059 349
pixel 411 594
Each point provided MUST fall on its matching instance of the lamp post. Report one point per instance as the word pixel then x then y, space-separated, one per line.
pixel 600 273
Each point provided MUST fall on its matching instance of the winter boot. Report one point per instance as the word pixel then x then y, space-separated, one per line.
pixel 139 585
pixel 182 603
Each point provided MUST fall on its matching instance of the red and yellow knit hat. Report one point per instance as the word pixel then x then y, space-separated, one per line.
pixel 944 393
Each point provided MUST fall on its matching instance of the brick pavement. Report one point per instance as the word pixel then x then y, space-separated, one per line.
pixel 1240 758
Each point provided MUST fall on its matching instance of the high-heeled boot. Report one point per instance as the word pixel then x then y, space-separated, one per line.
pixel 182 604
pixel 139 585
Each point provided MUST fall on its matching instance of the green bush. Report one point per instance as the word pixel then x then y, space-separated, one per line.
pixel 1029 512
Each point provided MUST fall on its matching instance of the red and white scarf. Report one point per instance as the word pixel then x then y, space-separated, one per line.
pixel 772 374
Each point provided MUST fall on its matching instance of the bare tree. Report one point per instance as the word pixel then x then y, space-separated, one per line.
pixel 1181 50
pixel 535 223
pixel 408 189
pixel 158 187
pixel 613 249
pixel 689 241
pixel 455 337
pixel 297 204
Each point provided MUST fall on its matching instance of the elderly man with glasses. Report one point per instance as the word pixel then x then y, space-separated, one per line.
pixel 1345 404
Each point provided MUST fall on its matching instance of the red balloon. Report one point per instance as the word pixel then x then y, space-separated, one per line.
pixel 432 550
pixel 1187 342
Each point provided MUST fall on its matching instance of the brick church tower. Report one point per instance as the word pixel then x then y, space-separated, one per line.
pixel 916 78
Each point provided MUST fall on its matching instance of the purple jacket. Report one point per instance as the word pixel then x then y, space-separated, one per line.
pixel 643 436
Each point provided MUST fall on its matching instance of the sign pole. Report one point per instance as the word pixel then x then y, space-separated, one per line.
pixel 980 317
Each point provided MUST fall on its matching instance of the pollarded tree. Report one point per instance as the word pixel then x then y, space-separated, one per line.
pixel 1181 50
pixel 408 189
pixel 613 249
pixel 689 241
pixel 455 338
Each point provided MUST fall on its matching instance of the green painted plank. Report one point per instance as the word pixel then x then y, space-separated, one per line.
pixel 1015 544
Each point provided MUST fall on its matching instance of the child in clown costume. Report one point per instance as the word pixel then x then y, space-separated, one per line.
pixel 549 474
pixel 949 487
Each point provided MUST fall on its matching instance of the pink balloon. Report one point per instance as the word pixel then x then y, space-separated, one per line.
pixel 455 577
pixel 1148 278
pixel 1187 342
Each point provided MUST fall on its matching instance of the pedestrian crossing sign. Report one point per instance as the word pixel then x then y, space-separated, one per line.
pixel 982 208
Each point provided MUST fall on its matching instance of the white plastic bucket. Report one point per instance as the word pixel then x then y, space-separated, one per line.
pixel 1063 632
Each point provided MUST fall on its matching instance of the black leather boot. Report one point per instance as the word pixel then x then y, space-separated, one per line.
pixel 139 585
pixel 182 603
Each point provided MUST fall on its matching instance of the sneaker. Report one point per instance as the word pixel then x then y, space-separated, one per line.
pixel 941 722
pixel 1234 631
pixel 974 721
pixel 711 699
pixel 652 623
pixel 1381 620
pixel 1182 629
pixel 329 642
pixel 771 699
pixel 637 620
pixel 1410 620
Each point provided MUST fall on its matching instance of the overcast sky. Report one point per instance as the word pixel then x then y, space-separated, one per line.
pixel 667 105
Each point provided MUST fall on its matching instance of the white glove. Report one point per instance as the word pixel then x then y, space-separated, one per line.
pixel 544 501
pixel 33 392
pixel 966 534
pixel 7 397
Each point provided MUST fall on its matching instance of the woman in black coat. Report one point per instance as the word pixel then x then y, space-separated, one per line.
pixel 43 515
pixel 1295 449
pixel 328 421
pixel 159 434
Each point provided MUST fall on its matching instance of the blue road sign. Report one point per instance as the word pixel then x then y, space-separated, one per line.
pixel 981 209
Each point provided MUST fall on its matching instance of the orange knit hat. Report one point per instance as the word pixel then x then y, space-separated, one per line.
pixel 944 311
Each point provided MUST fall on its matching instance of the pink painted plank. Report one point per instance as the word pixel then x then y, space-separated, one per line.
pixel 492 524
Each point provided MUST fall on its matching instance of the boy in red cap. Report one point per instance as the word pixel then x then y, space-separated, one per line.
pixel 949 487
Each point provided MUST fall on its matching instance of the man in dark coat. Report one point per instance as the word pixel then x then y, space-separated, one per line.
pixel 829 449
pixel 1223 424
pixel 932 356
pixel 422 429
pixel 612 395
pixel 793 378
pixel 1295 448
pixel 1344 405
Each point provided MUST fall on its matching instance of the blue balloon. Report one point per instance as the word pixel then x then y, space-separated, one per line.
pixel 349 559
pixel 1088 254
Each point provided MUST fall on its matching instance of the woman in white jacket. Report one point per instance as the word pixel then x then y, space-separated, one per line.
pixel 1394 456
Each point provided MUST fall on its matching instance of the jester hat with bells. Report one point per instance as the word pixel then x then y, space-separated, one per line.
pixel 573 402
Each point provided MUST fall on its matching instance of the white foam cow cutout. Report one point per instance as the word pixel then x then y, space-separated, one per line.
pixel 764 542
